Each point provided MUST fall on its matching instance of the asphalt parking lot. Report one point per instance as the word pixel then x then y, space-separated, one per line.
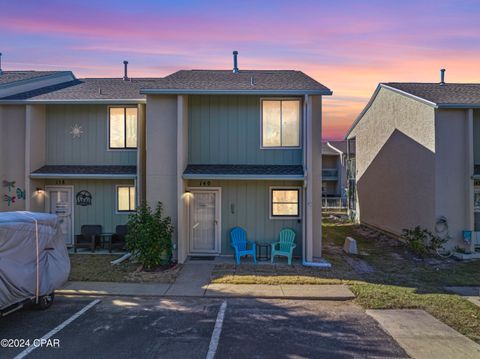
pixel 127 327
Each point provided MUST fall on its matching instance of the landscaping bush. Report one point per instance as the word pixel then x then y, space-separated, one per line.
pixel 149 236
pixel 422 241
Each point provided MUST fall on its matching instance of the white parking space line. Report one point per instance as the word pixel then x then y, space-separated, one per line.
pixel 212 349
pixel 55 330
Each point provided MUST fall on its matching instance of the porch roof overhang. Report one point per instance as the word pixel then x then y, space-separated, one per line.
pixel 85 172
pixel 244 172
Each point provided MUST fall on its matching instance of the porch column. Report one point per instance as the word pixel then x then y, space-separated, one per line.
pixel 469 182
pixel 313 208
pixel 182 160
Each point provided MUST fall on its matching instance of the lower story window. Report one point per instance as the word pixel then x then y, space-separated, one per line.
pixel 285 202
pixel 125 198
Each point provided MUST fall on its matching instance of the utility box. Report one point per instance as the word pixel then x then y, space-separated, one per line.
pixel 350 246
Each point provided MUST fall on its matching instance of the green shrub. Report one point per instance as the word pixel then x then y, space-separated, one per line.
pixel 422 241
pixel 149 236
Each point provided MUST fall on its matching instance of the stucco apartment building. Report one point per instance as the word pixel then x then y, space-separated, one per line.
pixel 219 148
pixel 334 174
pixel 418 159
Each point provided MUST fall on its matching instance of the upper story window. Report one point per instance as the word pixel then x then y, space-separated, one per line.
pixel 280 123
pixel 122 124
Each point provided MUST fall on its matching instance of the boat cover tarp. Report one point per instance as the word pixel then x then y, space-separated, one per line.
pixel 18 256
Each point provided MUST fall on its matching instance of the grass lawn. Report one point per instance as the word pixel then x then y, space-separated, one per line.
pixel 383 276
pixel 97 268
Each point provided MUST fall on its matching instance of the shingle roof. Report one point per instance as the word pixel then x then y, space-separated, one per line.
pixel 447 94
pixel 85 170
pixel 88 89
pixel 7 77
pixel 97 89
pixel 244 80
pixel 243 170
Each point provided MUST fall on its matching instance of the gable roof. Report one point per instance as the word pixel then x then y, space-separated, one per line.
pixel 245 81
pixel 89 90
pixel 441 95
pixel 436 95
pixel 15 82
pixel 9 77
pixel 116 90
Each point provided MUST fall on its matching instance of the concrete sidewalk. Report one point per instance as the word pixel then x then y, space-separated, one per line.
pixel 423 336
pixel 315 292
pixel 194 281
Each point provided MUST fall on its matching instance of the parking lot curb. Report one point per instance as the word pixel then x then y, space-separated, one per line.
pixel 330 292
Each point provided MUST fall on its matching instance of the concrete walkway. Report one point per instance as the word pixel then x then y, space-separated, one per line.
pixel 192 280
pixel 423 336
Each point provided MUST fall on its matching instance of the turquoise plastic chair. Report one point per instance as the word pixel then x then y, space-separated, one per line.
pixel 285 245
pixel 238 240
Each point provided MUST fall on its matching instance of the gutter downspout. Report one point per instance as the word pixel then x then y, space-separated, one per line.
pixel 469 178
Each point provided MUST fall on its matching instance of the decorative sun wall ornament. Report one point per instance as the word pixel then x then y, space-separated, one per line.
pixel 76 131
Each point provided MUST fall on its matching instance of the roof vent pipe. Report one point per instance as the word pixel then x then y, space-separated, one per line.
pixel 235 62
pixel 0 63
pixel 442 76
pixel 125 69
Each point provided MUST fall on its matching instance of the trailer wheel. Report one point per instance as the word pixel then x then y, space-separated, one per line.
pixel 45 301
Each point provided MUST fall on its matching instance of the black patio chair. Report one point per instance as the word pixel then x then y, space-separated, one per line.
pixel 89 237
pixel 118 239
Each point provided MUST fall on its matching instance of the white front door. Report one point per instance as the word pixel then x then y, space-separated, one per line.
pixel 60 202
pixel 205 227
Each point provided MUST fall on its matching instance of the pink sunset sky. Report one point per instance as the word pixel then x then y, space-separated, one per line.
pixel 349 46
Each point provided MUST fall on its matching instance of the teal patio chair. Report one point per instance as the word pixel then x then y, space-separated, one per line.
pixel 285 245
pixel 238 240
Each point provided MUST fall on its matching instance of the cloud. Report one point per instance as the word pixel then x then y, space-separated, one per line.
pixel 349 46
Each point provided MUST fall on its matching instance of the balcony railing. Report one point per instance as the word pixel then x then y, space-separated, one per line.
pixel 329 173
pixel 334 203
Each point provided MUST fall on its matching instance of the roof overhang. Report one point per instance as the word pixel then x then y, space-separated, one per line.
pixel 233 92
pixel 242 177
pixel 82 176
pixel 75 102
pixel 55 75
pixel 460 106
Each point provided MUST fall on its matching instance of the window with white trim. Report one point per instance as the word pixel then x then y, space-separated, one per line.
pixel 122 128
pixel 280 123
pixel 285 202
pixel 126 199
